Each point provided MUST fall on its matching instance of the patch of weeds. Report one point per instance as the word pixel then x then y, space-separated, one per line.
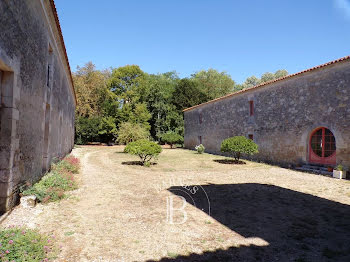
pixel 22 244
pixel 220 239
pixel 69 233
pixel 52 187
pixel 142 252
pixel 208 222
pixel 172 255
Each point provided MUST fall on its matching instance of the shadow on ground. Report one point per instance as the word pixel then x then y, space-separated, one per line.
pixel 297 226
pixel 135 163
pixel 230 161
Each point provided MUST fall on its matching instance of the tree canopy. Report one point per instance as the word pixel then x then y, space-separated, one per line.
pixel 125 103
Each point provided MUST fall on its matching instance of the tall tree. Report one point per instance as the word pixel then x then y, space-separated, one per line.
pixel 213 83
pixel 187 94
pixel 125 82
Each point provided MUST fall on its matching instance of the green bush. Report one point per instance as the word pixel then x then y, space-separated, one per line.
pixel 21 244
pixel 200 149
pixel 238 145
pixel 129 132
pixel 172 138
pixel 145 149
pixel 52 187
pixel 339 168
pixel 87 130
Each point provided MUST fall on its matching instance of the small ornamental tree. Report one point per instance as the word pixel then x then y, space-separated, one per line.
pixel 238 145
pixel 172 138
pixel 145 149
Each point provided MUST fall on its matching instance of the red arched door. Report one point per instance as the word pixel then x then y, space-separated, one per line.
pixel 322 148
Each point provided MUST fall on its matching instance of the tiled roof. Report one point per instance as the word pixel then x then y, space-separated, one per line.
pixel 54 10
pixel 270 82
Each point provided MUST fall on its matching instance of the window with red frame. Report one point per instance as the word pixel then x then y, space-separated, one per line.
pixel 251 108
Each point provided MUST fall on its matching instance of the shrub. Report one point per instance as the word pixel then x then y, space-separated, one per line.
pixel 172 138
pixel 21 244
pixel 339 168
pixel 129 132
pixel 200 149
pixel 145 149
pixel 87 130
pixel 238 145
pixel 52 187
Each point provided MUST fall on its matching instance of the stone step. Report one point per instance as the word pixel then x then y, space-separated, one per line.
pixel 313 170
pixel 316 167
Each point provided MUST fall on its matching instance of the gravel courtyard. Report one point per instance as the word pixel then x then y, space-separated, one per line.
pixel 252 212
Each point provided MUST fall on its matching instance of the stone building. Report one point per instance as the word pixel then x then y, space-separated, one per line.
pixel 303 118
pixel 37 94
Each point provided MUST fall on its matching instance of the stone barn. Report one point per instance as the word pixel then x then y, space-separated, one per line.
pixel 37 94
pixel 302 118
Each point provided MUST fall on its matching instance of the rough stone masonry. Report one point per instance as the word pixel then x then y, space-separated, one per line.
pixel 37 94
pixel 302 118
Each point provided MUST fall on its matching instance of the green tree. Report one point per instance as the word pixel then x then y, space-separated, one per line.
pixel 87 129
pixel 129 132
pixel 213 83
pixel 281 73
pixel 172 138
pixel 125 82
pixel 145 149
pixel 251 81
pixel 107 129
pixel 188 94
pixel 238 145
pixel 266 77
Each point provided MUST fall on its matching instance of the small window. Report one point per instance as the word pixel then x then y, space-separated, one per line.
pixel 251 108
pixel 200 118
pixel 251 137
pixel 200 139
pixel 48 76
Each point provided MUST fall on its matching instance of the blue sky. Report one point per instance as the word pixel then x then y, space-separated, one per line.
pixel 243 38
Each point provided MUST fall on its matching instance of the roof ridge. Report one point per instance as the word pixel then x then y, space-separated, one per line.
pixel 54 10
pixel 270 82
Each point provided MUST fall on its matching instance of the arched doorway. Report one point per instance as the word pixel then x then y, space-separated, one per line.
pixel 322 147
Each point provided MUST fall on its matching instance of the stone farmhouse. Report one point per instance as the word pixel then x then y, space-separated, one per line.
pixel 37 94
pixel 299 119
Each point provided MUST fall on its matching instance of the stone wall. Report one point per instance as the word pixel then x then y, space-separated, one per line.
pixel 37 96
pixel 285 114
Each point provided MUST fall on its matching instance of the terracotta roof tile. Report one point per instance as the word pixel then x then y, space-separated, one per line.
pixel 269 82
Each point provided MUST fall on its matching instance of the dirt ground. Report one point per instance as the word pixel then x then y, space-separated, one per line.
pixel 253 212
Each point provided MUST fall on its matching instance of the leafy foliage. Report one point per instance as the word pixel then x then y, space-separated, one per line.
pixel 172 138
pixel 145 149
pixel 200 149
pixel 108 98
pixel 27 245
pixel 52 187
pixel 213 83
pixel 129 132
pixel 239 145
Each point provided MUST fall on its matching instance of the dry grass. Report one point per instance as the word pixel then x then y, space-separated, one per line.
pixel 257 212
